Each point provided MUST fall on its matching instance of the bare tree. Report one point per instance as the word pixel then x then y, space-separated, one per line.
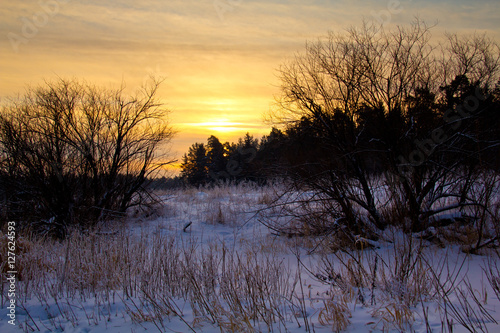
pixel 337 77
pixel 477 57
pixel 368 66
pixel 381 100
pixel 80 152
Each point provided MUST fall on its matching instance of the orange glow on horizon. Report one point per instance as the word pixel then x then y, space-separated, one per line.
pixel 220 126
pixel 220 71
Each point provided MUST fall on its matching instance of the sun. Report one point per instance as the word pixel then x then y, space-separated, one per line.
pixel 221 125
pixel 223 117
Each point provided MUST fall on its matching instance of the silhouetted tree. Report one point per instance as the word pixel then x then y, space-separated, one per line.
pixel 370 100
pixel 243 158
pixel 217 157
pixel 75 154
pixel 195 165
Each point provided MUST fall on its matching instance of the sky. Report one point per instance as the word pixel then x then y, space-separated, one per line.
pixel 219 58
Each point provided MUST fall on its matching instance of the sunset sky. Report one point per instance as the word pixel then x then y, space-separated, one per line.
pixel 219 58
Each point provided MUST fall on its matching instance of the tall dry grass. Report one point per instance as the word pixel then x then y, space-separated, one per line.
pixel 156 277
pixel 153 276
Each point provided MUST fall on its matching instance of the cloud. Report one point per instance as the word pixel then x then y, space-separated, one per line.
pixel 208 55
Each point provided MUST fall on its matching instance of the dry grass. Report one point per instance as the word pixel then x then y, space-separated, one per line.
pixel 335 311
pixel 153 278
pixel 150 274
pixel 395 283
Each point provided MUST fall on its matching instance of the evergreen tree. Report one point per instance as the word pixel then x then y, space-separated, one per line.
pixel 216 156
pixel 195 165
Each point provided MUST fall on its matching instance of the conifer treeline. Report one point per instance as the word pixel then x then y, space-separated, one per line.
pixel 460 127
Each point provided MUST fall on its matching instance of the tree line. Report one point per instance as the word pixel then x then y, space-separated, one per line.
pixel 215 162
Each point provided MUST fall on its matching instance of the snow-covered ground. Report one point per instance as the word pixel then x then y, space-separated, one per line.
pixel 203 262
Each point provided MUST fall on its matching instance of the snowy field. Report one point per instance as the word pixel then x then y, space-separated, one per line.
pixel 204 262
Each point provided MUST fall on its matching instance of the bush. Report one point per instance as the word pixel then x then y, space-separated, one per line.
pixel 75 154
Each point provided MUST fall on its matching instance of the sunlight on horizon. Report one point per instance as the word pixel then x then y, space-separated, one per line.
pixel 220 68
pixel 220 126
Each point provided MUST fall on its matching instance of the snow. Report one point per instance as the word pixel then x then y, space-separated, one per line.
pixel 317 283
